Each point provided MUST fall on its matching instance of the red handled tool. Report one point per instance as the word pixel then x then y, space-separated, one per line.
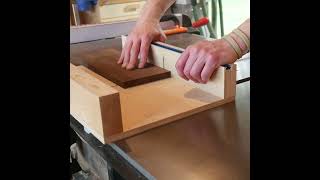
pixel 201 22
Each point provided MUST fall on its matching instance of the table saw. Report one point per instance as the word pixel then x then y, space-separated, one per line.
pixel 210 144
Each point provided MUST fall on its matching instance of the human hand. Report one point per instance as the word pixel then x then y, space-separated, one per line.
pixel 138 42
pixel 199 61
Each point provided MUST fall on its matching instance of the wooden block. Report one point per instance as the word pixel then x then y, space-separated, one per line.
pixel 230 82
pixel 140 108
pixel 167 59
pixel 121 11
pixel 157 103
pixel 104 80
pixel 103 62
pixel 94 104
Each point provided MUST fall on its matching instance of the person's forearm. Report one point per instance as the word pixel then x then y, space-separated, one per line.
pixel 245 28
pixel 154 9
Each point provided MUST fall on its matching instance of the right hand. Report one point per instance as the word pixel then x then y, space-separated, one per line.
pixel 138 42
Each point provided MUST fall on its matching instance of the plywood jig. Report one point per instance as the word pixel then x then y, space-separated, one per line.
pixel 112 113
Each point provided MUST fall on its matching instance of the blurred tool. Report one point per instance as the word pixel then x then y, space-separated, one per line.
pixel 85 5
pixel 197 9
pixel 188 27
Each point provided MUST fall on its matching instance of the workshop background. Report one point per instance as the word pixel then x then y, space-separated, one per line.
pixel 233 12
pixel 224 16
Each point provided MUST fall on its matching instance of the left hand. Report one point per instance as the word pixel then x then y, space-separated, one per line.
pixel 199 61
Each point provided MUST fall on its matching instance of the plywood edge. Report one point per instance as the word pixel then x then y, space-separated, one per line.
pixel 72 66
pixel 90 82
pixel 111 115
pixel 94 104
pixel 138 130
pixel 92 131
pixel 84 107
pixel 230 81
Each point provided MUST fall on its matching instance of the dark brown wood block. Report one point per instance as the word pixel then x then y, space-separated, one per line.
pixel 104 63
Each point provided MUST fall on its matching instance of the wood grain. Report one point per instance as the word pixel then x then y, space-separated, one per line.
pixel 104 63
pixel 168 60
pixel 94 104
pixel 148 105
pixel 219 83
pixel 158 103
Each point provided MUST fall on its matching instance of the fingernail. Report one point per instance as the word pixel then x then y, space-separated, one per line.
pixel 124 65
pixel 140 65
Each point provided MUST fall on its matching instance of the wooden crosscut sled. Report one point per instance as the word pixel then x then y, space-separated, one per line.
pixel 111 112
